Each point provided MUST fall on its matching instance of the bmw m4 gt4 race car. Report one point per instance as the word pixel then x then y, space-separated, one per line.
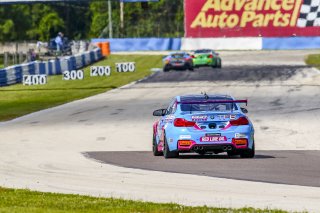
pixel 203 124
pixel 180 60
pixel 206 57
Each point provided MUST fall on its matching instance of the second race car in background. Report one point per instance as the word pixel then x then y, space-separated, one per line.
pixel 206 57
pixel 179 60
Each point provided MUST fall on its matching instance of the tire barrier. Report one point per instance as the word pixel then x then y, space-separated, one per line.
pixel 14 74
pixel 105 48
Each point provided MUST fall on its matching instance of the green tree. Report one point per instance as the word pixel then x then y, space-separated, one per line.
pixel 14 22
pixel 77 18
pixel 38 12
pixel 49 25
pixel 83 20
pixel 5 29
pixel 99 23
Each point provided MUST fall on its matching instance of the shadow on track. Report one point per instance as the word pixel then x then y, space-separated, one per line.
pixel 282 167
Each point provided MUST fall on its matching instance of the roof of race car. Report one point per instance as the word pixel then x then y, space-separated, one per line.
pixel 203 97
pixel 203 51
pixel 178 53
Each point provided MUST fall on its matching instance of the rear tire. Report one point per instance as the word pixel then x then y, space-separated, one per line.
pixel 218 64
pixel 215 65
pixel 190 67
pixel 167 153
pixel 155 147
pixel 165 69
pixel 250 153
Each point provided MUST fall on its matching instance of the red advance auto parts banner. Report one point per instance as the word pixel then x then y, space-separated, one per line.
pixel 241 18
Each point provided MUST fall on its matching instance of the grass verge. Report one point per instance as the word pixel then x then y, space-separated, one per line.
pixel 16 200
pixel 18 100
pixel 313 60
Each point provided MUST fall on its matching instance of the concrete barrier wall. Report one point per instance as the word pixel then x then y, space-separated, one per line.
pixel 141 44
pixel 14 47
pixel 293 43
pixel 221 43
pixel 13 74
pixel 176 44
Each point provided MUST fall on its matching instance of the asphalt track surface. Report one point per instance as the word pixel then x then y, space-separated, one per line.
pixel 282 167
pixel 231 73
pixel 292 167
pixel 52 150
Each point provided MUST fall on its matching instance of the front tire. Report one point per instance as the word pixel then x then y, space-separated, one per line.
pixel 155 147
pixel 167 153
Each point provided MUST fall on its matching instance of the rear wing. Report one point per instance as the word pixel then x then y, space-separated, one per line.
pixel 214 102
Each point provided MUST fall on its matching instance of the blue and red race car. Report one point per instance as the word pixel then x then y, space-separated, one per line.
pixel 203 124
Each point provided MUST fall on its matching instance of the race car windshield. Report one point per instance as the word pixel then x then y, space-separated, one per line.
pixel 177 56
pixel 216 107
pixel 202 51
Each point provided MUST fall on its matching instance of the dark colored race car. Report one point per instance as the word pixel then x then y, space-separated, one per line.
pixel 206 57
pixel 180 60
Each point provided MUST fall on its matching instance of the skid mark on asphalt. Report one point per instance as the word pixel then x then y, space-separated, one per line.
pixel 276 102
pixel 89 110
pixel 229 73
pixel 281 167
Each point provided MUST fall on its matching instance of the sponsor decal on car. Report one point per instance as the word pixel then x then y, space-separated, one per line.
pixel 240 135
pixel 185 137
pixel 199 118
pixel 244 18
pixel 213 134
pixel 169 118
pixel 226 117
pixel 213 138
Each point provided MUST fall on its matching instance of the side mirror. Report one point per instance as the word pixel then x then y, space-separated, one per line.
pixel 160 112
pixel 244 110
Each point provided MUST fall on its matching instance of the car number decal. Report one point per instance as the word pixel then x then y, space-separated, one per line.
pixel 213 138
